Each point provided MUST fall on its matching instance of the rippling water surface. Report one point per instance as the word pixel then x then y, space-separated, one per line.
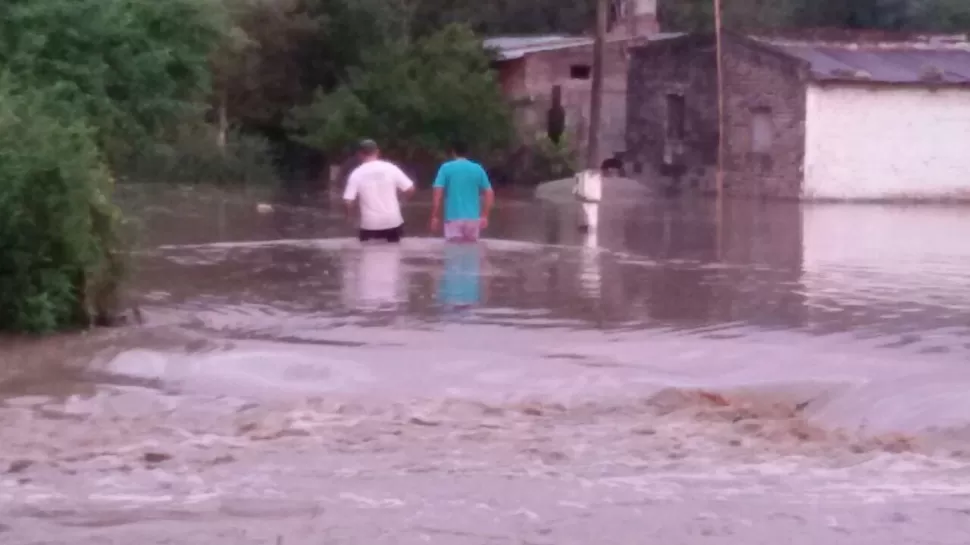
pixel 757 373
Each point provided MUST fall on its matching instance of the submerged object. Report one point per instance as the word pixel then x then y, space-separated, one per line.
pixel 264 208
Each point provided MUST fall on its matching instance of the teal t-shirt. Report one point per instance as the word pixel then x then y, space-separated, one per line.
pixel 463 182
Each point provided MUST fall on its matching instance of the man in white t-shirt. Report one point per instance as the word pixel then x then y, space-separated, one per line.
pixel 375 185
pixel 588 190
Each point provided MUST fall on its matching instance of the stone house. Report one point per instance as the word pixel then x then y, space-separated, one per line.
pixel 535 69
pixel 822 115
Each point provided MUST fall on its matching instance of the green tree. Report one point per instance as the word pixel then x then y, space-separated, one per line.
pixel 127 66
pixel 854 14
pixel 738 15
pixel 84 83
pixel 414 98
pixel 280 51
pixel 744 15
pixel 497 17
pixel 58 264
pixel 941 15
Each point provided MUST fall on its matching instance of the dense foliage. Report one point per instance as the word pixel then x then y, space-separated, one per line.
pixel 126 66
pixel 84 83
pixel 901 15
pixel 416 98
pixel 58 264
pixel 327 72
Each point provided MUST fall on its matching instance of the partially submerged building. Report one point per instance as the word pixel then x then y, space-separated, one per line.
pixel 822 115
pixel 534 70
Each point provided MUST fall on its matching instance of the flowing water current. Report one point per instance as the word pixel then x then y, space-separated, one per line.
pixel 763 373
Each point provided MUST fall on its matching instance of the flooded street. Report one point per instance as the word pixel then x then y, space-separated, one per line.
pixel 766 373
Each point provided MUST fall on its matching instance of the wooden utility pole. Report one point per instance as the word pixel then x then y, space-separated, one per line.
pixel 718 31
pixel 719 205
pixel 596 93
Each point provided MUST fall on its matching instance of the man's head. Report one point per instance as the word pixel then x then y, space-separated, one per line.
pixel 458 148
pixel 367 150
pixel 612 167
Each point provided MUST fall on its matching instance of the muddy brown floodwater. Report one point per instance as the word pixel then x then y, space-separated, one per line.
pixel 771 374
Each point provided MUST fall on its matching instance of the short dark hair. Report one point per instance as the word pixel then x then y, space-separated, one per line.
pixel 367 146
pixel 613 163
pixel 458 147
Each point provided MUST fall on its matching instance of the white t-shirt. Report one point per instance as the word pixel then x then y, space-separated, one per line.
pixel 375 185
pixel 589 186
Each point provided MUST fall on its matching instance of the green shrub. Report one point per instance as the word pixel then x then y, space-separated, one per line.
pixel 60 246
pixel 192 155
pixel 540 160
pixel 98 79
pixel 414 98
pixel 129 66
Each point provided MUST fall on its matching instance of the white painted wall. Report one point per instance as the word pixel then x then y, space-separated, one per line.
pixel 644 7
pixel 887 143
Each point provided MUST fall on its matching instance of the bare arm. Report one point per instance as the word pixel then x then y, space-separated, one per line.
pixel 438 196
pixel 404 184
pixel 489 197
pixel 488 202
pixel 350 194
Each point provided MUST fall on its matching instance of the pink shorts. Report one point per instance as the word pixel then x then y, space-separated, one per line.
pixel 462 230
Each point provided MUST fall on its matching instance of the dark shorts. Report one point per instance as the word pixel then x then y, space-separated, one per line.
pixel 390 235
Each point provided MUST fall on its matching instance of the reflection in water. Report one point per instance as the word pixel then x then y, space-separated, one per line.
pixel 460 285
pixel 373 277
pixel 590 274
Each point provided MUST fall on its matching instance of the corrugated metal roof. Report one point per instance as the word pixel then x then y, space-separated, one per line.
pixel 883 64
pixel 515 47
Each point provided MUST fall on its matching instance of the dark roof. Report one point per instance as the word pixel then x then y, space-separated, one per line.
pixel 883 58
pixel 516 47
pixel 900 64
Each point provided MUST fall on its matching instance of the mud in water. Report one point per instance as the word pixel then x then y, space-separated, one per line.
pixel 751 374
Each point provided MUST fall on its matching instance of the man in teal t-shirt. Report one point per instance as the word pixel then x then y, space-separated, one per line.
pixel 460 183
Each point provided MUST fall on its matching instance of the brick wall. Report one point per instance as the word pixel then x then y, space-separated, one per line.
pixel 679 67
pixel 529 86
pixel 760 82
pixel 764 117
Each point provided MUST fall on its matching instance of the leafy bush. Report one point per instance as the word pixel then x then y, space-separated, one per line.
pixel 192 155
pixel 59 264
pixel 554 160
pixel 84 83
pixel 128 66
pixel 414 99
pixel 538 160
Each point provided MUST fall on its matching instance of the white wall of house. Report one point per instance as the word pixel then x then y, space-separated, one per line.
pixel 644 7
pixel 887 142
